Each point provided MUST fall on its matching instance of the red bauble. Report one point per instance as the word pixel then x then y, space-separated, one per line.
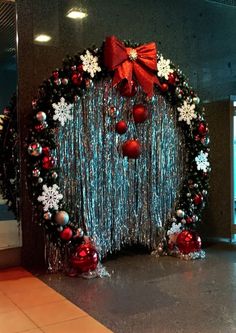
pixel 164 87
pixel 125 91
pixel 121 127
pixel 66 234
pixel 140 113
pixel 131 148
pixel 171 78
pixel 197 137
pixel 77 79
pixel 202 129
pixel 188 241
pixel 197 199
pixel 85 258
pixel 48 162
pixel 46 151
pixel 55 74
pixel 189 220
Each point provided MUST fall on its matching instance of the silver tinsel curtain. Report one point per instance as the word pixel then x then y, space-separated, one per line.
pixel 120 201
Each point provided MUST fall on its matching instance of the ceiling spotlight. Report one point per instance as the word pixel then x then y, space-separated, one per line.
pixel 76 13
pixel 42 38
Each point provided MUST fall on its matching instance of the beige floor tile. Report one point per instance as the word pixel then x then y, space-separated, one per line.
pixel 54 313
pixel 15 321
pixel 13 273
pixel 35 297
pixel 20 285
pixel 80 325
pixel 6 305
pixel 36 330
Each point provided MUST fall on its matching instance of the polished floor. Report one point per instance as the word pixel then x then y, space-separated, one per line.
pixel 149 295
pixel 29 305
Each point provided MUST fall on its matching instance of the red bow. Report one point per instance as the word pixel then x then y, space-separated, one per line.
pixel 126 62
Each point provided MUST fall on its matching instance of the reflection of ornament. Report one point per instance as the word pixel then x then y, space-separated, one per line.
pixel 50 197
pixel 85 258
pixel 35 172
pixel 41 116
pixel 35 149
pixel 180 213
pixel 66 234
pixel 188 241
pixel 140 113
pixel 47 216
pixel 131 148
pixel 197 199
pixel 48 162
pixel 121 127
pixel 61 217
pixel 125 91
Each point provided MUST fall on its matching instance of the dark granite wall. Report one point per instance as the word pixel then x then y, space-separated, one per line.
pixel 197 35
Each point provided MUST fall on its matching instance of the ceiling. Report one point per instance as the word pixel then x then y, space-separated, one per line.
pixel 7 33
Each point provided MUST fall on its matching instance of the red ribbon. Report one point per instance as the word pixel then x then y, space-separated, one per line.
pixel 127 62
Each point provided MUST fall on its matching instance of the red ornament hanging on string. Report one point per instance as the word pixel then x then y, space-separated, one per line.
pixel 85 258
pixel 140 113
pixel 188 241
pixel 66 234
pixel 121 127
pixel 131 148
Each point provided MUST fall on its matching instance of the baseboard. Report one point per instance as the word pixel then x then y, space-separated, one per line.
pixel 10 257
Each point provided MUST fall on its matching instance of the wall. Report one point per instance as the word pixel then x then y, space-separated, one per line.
pixel 197 35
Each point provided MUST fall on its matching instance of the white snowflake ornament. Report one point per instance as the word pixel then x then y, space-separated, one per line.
pixel 202 161
pixel 62 111
pixel 50 197
pixel 90 63
pixel 187 112
pixel 163 68
pixel 175 229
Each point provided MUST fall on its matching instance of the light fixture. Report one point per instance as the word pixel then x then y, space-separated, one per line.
pixel 42 38
pixel 76 13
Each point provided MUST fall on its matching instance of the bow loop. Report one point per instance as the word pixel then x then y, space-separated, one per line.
pixel 127 62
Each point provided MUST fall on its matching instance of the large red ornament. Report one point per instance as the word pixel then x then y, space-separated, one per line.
pixel 188 241
pixel 121 127
pixel 131 148
pixel 66 234
pixel 202 129
pixel 48 162
pixel 197 199
pixel 140 113
pixel 125 90
pixel 85 258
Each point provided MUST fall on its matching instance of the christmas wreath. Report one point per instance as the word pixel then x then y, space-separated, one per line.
pixel 130 68
pixel 9 167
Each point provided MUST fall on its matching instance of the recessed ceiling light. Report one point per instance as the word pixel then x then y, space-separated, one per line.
pixel 76 13
pixel 42 38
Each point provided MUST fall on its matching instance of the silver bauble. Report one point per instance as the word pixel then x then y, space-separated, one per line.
pixel 41 116
pixel 61 217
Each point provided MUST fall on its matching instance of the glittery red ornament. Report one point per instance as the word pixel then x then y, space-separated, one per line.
pixel 85 258
pixel 66 234
pixel 46 151
pixel 48 162
pixel 164 87
pixel 124 89
pixel 121 127
pixel 77 79
pixel 171 78
pixel 188 241
pixel 197 199
pixel 140 113
pixel 131 148
pixel 202 129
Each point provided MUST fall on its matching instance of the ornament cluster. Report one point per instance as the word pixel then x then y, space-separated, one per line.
pixel 54 107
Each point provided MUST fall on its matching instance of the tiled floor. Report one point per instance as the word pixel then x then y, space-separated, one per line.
pixel 29 305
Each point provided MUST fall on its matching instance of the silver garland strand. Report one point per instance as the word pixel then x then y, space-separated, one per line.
pixel 120 201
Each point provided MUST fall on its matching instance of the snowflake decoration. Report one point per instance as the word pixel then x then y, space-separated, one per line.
pixel 90 63
pixel 163 68
pixel 175 229
pixel 62 111
pixel 187 112
pixel 50 197
pixel 202 161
